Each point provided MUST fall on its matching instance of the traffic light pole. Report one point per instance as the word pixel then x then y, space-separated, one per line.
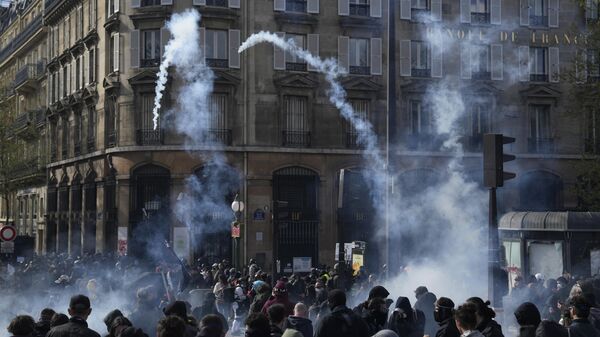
pixel 493 246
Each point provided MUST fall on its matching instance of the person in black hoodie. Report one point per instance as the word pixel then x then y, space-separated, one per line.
pixel 299 321
pixel 426 303
pixel 341 321
pixel 406 321
pixel 580 311
pixel 179 309
pixel 43 325
pixel 444 315
pixel 377 291
pixel 376 315
pixel 485 318
pixel 529 318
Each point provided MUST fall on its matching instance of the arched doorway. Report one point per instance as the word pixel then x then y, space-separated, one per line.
pixel 356 216
pixel 213 188
pixel 296 216
pixel 540 191
pixel 150 215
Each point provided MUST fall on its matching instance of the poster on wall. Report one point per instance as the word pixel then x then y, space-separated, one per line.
pixel 122 240
pixel 357 262
pixel 302 264
pixel 181 242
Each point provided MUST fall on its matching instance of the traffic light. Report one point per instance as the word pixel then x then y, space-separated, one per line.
pixel 494 159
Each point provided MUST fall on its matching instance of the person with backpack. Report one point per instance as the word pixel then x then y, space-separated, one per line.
pixel 341 321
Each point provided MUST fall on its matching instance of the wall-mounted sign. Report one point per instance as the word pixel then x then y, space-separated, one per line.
pixel 259 215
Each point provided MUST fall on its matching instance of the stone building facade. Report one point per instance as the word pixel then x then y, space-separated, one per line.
pixel 109 171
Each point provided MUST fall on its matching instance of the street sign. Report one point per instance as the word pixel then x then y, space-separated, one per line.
pixel 235 231
pixel 8 233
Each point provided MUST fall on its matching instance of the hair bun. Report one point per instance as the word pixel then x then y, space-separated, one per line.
pixel 487 302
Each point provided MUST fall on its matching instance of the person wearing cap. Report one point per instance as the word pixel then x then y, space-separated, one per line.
pixel 279 296
pixel 341 321
pixel 79 310
pixel 444 316
pixel 580 312
pixel 179 309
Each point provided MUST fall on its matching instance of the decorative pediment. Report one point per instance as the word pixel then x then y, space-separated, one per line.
pixel 481 89
pixel 226 78
pixel 111 82
pixel 361 84
pixel 297 81
pixel 149 13
pixel 416 86
pixel 145 77
pixel 541 92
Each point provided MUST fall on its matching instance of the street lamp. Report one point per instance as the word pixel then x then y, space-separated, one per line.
pixel 237 207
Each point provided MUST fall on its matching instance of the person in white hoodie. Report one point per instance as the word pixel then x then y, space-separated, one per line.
pixel 466 320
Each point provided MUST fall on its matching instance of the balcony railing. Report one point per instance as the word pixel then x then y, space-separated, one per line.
pixel 21 121
pixel 298 6
pixel 111 138
pixel 147 3
pixel 293 66
pixel 149 136
pixel 27 167
pixel 592 145
pixel 27 72
pixel 418 72
pixel 145 63
pixel 359 70
pixel 538 20
pixel 21 37
pixel 541 145
pixel 296 138
pixel 217 3
pixel 352 140
pixel 538 77
pixel 481 75
pixel 221 136
pixel 217 63
pixel 41 67
pixel 359 9
pixel 480 18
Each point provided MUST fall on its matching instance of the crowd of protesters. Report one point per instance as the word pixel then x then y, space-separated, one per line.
pixel 179 300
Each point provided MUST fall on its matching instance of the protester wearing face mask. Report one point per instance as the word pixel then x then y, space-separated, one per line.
pixel 342 321
pixel 444 315
pixel 406 321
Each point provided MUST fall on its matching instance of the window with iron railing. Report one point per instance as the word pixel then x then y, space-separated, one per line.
pixel 65 138
pixel 217 3
pixel 151 45
pixel 145 133
pixel 480 125
pixel 216 50
pixel 292 61
pixel 540 129
pixel 361 112
pixel 298 6
pixel 420 59
pixel 359 56
pixel 296 131
pixel 420 126
pixel 146 3
pixel 480 62
pixel 538 64
pixel 111 122
pixel 91 128
pixel 359 7
pixel 480 12
pixel 538 13
pixel 218 131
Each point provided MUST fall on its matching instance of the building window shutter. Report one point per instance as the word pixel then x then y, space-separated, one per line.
pixel 116 50
pixel 405 62
pixel 313 48
pixel 117 5
pixel 496 12
pixel 86 67
pixel 553 60
pixel 279 5
pixel 553 12
pixel 524 63
pixel 166 2
pixel 376 63
pixel 436 60
pixel 524 12
pixel 234 44
pixel 135 48
pixel 135 3
pixel 313 6
pixel 465 62
pixel 81 71
pixel 497 62
pixel 405 10
pixel 591 9
pixel 344 7
pixel 234 4
pixel 165 35
pixel 344 52
pixel 436 10
pixel 279 54
pixel 375 7
pixel 465 11
pixel 203 41
pixel 68 79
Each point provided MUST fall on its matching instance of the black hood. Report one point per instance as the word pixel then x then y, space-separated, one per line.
pixel 297 323
pixel 528 314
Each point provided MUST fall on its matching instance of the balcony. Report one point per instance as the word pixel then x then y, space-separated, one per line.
pixel 359 9
pixel 480 18
pixel 297 6
pixel 592 145
pixel 147 63
pixel 26 78
pixel 418 72
pixel 359 70
pixel 28 167
pixel 352 140
pixel 538 77
pixel 217 3
pixel 541 145
pixel 21 121
pixel 220 136
pixel 217 63
pixel 295 138
pixel 294 66
pixel 149 136
pixel 538 20
pixel 481 75
pixel 111 138
pixel 25 34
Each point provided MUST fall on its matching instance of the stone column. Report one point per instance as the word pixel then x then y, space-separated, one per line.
pixel 100 217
